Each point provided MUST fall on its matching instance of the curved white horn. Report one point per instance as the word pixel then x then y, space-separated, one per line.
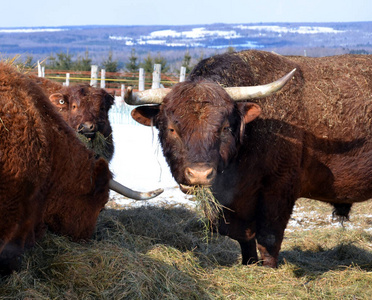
pixel 153 96
pixel 121 189
pixel 250 92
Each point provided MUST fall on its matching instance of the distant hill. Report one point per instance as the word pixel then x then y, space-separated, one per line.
pixel 312 39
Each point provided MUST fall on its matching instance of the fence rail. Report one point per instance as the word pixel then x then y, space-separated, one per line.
pixel 113 81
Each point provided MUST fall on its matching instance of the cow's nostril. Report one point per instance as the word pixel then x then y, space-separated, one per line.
pixel 189 173
pixel 210 174
pixel 199 175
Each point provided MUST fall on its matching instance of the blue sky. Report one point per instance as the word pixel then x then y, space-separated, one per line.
pixel 29 13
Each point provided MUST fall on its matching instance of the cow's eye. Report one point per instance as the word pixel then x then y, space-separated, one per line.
pixel 61 101
pixel 172 131
pixel 226 129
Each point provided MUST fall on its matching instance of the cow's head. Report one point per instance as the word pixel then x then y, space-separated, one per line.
pixel 85 109
pixel 201 125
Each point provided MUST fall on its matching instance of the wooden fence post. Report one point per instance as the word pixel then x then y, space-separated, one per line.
pixel 103 78
pixel 183 74
pixel 156 76
pixel 94 75
pixel 141 80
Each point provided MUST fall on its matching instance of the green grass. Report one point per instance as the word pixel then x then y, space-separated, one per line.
pixel 162 253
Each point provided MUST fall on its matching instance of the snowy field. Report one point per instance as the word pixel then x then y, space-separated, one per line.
pixel 139 164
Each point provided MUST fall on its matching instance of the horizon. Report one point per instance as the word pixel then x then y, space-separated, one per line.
pixel 179 25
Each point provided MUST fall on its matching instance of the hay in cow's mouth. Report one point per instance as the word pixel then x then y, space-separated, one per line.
pixel 208 205
pixel 98 144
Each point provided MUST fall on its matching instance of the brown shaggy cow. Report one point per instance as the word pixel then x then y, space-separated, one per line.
pixel 84 108
pixel 47 177
pixel 311 139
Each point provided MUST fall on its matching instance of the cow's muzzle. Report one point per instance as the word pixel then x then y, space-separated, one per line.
pixel 89 129
pixel 199 174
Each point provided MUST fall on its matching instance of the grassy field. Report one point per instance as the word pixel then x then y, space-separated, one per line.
pixel 164 253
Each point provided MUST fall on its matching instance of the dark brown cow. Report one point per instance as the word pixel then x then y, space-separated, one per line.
pixel 84 108
pixel 48 178
pixel 81 105
pixel 311 139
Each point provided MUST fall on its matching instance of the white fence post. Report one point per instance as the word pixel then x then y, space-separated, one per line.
pixel 39 72
pixel 94 75
pixel 103 78
pixel 156 75
pixel 183 74
pixel 67 79
pixel 122 93
pixel 42 71
pixel 141 80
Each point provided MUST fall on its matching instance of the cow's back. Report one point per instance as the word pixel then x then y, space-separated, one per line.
pixel 329 97
pixel 24 140
pixel 338 92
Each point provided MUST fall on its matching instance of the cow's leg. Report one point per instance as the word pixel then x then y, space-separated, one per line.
pixel 12 250
pixel 244 232
pixel 9 225
pixel 10 258
pixel 269 246
pixel 17 230
pixel 272 218
pixel 249 252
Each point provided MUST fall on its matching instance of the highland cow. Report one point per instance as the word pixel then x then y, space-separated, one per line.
pixel 85 109
pixel 48 178
pixel 259 148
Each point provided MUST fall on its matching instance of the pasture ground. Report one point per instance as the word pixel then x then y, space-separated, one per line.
pixel 163 252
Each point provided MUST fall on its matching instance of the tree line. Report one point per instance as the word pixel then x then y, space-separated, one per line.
pixel 65 61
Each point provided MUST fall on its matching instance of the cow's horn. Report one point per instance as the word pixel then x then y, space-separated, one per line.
pixel 117 187
pixel 260 91
pixel 153 96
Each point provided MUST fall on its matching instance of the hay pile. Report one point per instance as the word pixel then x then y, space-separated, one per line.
pixel 148 253
pixel 161 253
pixel 98 144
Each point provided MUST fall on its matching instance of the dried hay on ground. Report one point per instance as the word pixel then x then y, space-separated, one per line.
pixel 161 253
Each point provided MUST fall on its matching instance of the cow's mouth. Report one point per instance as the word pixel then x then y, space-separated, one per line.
pixel 190 189
pixel 89 135
pixel 186 188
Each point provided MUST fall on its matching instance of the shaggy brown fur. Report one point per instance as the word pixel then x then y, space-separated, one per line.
pixel 311 139
pixel 84 108
pixel 47 177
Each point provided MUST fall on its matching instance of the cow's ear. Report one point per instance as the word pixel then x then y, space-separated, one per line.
pixel 145 114
pixel 109 100
pixel 249 111
pixel 59 100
